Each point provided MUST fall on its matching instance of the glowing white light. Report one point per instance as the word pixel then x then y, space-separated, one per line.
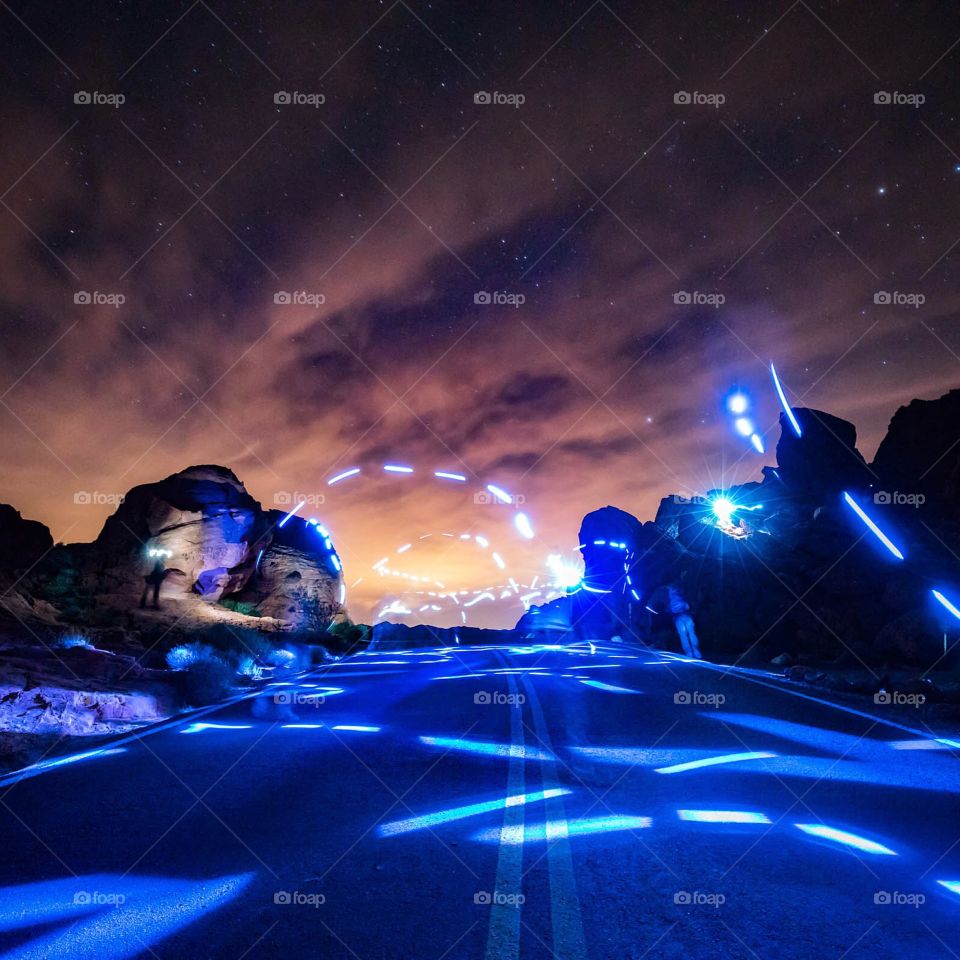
pixel 482 541
pixel 877 532
pixel 356 727
pixel 443 475
pixel 405 548
pixel 787 409
pixel 946 603
pixel 498 560
pixel 722 816
pixel 352 472
pixel 397 468
pixel 522 522
pixel 738 404
pixel 482 596
pixel 757 443
pixel 500 494
pixel 714 761
pixel 723 509
pixel 199 727
pixel 343 594
pixel 594 589
pixel 565 575
pixel 845 838
pixel 299 506
pixel 743 426
pixel 952 885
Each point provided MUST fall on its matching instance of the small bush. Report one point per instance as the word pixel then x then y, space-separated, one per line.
pixel 346 636
pixel 244 607
pixel 235 643
pixel 69 641
pixel 185 655
pixel 206 681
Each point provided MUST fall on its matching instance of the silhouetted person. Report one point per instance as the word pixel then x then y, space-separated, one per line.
pixel 153 580
pixel 683 621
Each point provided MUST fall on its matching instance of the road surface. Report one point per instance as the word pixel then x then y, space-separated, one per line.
pixel 574 802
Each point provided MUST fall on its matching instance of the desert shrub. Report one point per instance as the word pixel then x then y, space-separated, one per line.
pixel 346 636
pixel 206 681
pixel 244 607
pixel 235 643
pixel 248 667
pixel 71 640
pixel 185 655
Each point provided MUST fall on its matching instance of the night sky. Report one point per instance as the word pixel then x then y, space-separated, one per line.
pixel 597 199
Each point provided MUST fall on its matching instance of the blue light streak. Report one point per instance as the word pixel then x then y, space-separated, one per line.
pixel 500 494
pixel 443 475
pixel 845 838
pixel 555 829
pixel 297 507
pixel 608 687
pixel 356 727
pixel 715 761
pixel 199 727
pixel 352 472
pixel 722 816
pixel 946 603
pixel 485 748
pixel 522 522
pixel 397 468
pixel 952 885
pixel 787 409
pixel 743 426
pixel 470 810
pixel 757 443
pixel 877 532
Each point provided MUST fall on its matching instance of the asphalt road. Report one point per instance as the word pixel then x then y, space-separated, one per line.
pixel 494 802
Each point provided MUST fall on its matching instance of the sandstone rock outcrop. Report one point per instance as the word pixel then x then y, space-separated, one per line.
pixel 22 542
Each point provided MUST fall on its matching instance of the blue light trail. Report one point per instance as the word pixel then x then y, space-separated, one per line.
pixel 470 810
pixel 845 838
pixel 787 409
pixel 877 532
